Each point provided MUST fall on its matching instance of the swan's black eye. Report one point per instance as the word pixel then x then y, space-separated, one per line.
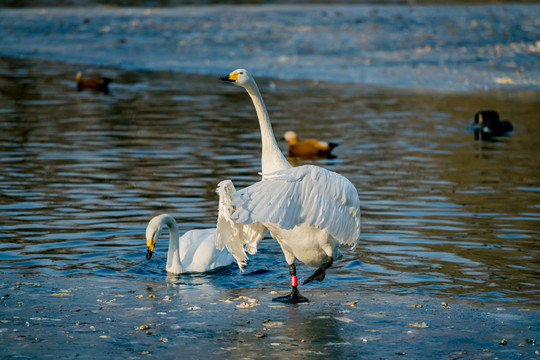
pixel 242 73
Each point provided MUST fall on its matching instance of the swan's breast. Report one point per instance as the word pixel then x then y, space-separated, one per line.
pixel 306 243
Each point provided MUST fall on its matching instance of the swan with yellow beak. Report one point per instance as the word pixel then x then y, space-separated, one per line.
pixel 308 210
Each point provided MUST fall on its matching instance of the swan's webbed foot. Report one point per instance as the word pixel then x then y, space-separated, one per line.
pixel 320 273
pixel 293 298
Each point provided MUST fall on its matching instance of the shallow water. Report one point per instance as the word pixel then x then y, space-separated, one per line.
pixel 441 214
pixel 89 317
pixel 447 265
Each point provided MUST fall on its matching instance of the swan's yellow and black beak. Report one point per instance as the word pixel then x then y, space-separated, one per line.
pixel 150 249
pixel 232 77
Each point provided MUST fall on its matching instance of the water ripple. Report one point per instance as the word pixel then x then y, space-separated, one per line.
pixel 441 214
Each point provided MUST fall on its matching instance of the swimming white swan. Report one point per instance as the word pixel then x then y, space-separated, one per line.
pixel 308 210
pixel 194 252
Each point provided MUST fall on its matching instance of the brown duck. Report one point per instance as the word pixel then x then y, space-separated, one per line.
pixel 99 84
pixel 308 147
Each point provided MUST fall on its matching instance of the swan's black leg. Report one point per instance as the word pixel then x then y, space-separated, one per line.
pixel 294 297
pixel 320 273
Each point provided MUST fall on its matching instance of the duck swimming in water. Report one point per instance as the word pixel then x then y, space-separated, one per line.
pixel 100 84
pixel 308 147
pixel 487 125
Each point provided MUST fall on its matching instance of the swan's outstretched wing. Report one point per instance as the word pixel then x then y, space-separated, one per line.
pixel 306 194
pixel 236 237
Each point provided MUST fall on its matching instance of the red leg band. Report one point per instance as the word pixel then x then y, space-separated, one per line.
pixel 294 281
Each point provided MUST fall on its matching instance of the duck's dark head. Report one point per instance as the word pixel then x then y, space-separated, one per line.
pixel 486 117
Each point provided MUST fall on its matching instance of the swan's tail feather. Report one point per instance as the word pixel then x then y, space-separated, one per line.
pixel 236 237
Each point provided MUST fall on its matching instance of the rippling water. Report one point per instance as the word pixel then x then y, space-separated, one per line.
pixel 82 173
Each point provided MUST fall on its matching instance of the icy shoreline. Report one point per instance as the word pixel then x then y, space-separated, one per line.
pixel 443 48
pixel 91 317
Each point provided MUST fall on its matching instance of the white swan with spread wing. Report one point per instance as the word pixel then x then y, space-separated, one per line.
pixel 308 210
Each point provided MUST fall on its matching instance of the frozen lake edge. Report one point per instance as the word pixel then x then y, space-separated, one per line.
pixel 436 47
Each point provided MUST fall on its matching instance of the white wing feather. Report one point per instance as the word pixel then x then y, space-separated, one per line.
pixel 235 236
pixel 305 194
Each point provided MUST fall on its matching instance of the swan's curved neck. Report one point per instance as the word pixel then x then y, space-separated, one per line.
pixel 272 159
pixel 174 264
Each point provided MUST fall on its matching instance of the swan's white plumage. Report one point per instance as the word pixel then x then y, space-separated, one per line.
pixel 193 252
pixel 308 210
pixel 236 236
pixel 306 194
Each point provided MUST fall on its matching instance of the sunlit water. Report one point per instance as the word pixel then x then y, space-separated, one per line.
pixel 83 173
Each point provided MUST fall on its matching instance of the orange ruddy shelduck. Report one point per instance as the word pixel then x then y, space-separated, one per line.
pixel 308 147
pixel 99 84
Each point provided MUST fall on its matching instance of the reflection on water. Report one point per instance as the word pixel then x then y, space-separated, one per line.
pixel 83 173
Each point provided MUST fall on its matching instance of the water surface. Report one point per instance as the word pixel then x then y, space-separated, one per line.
pixel 448 259
pixel 442 214
pixel 447 265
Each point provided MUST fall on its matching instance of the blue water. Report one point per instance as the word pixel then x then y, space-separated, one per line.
pixel 441 213
pixel 447 265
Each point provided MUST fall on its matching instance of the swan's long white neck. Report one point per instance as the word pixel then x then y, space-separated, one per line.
pixel 174 264
pixel 272 159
